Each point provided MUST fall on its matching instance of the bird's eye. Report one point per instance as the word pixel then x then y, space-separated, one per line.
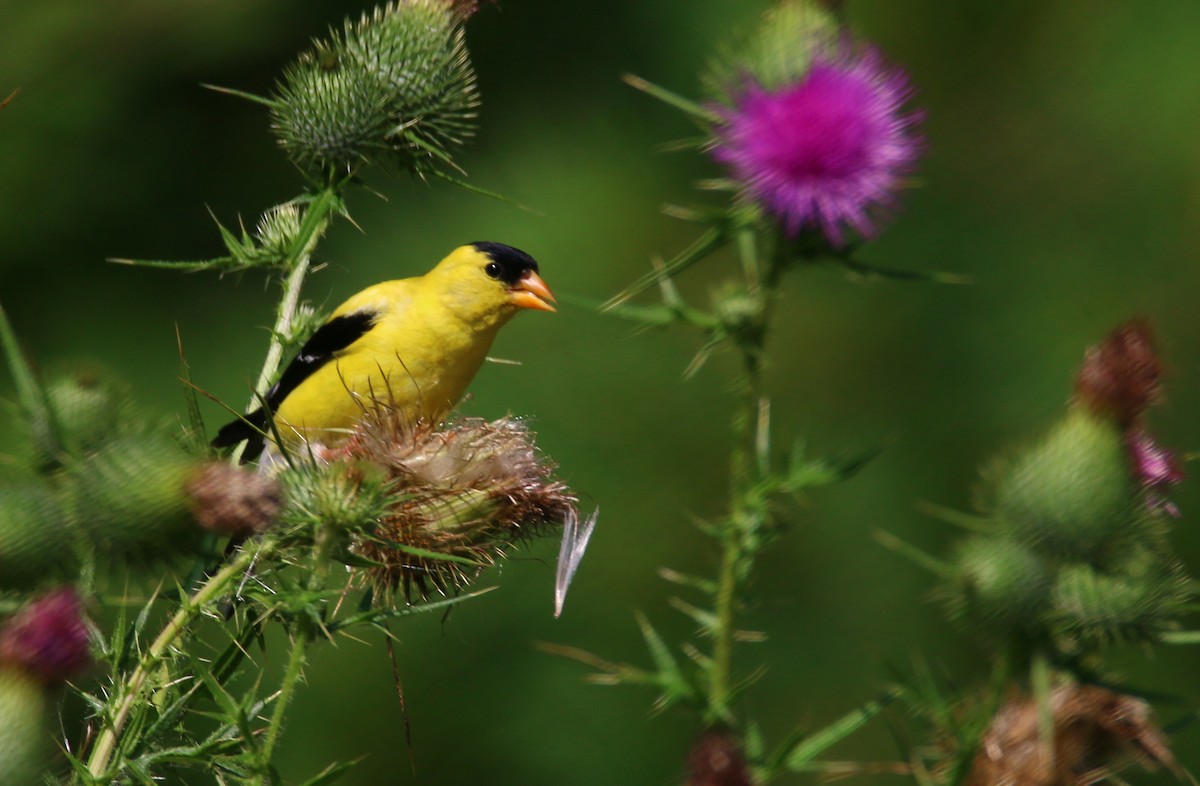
pixel 493 269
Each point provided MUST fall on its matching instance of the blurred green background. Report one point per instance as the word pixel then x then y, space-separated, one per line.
pixel 1063 178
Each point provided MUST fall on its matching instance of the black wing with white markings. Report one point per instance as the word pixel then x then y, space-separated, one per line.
pixel 331 338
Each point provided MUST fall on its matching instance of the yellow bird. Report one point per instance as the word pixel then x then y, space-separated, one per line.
pixel 415 343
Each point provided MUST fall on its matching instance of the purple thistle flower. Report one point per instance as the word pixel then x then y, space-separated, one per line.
pixel 48 638
pixel 828 150
pixel 1154 467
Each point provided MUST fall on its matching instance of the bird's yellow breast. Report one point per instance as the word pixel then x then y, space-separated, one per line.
pixel 419 356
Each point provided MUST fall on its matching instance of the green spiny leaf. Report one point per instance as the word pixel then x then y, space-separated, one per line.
pixel 712 240
pixel 695 110
pixel 702 617
pixel 803 473
pixel 707 586
pixel 330 774
pixel 674 684
pixel 220 264
pixel 870 272
pixel 925 560
pixel 1180 637
pixel 378 616
pixel 195 422
pixel 799 756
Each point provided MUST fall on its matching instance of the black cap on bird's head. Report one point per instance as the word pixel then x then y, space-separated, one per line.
pixel 519 271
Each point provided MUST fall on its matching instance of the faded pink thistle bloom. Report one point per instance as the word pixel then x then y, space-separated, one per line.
pixel 828 151
pixel 47 638
pixel 1154 467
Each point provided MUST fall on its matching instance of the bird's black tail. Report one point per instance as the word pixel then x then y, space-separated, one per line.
pixel 249 427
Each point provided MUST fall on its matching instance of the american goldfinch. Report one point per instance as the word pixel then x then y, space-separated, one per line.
pixel 413 343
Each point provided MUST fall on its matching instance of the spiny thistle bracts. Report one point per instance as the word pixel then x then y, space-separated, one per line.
pixel 396 86
pixel 433 507
pixel 1072 559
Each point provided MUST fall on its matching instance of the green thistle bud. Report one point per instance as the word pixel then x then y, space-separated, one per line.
pixel 1071 495
pixel 329 497
pixel 131 499
pixel 397 85
pixel 740 312
pixel 90 407
pixel 1000 584
pixel 36 542
pixel 416 48
pixel 778 53
pixel 26 744
pixel 278 229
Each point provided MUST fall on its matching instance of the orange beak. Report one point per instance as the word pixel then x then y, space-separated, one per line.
pixel 532 292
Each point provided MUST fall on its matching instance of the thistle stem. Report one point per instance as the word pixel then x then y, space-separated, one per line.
pixel 316 220
pixel 722 663
pixel 749 466
pixel 291 678
pixel 305 633
pixel 131 691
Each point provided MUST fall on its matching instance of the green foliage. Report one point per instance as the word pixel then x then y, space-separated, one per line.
pixel 283 234
pixel 103 485
pixel 1094 604
pixel 37 545
pixel 31 399
pixel 396 86
pixel 1073 559
pixel 762 483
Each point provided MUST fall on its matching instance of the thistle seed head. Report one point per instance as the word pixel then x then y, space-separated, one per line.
pixel 457 496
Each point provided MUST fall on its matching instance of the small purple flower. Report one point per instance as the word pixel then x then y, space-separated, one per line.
pixel 827 151
pixel 48 638
pixel 1154 467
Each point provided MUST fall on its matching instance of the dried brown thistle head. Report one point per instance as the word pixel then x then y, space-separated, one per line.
pixel 459 495
pixel 716 759
pixel 1121 376
pixel 1094 729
